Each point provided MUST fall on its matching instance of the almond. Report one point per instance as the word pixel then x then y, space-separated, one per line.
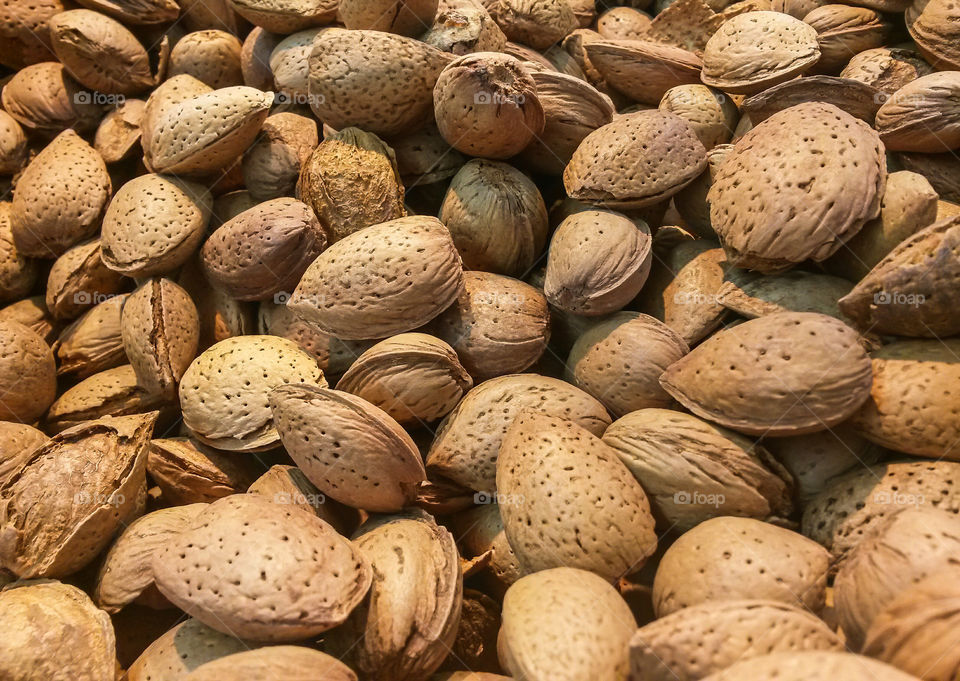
pixel 843 31
pixel 265 250
pixel 858 99
pixel 17 440
pixel 60 197
pixel 221 316
pixel 886 68
pixel 425 158
pixel 137 12
pixel 113 392
pixel 641 70
pixel 79 279
pixel 804 665
pixel 286 16
pixel 255 58
pixel 18 273
pixel 812 216
pixel 28 380
pixel 923 115
pixel 32 313
pixel 794 291
pixel 89 478
pixel 466 446
pixel 26 38
pixel 550 468
pixel 44 98
pixel 165 97
pixel 497 326
pixel 188 472
pixel 933 27
pixel 223 393
pixel 319 428
pixel 711 114
pixel 405 17
pixel 296 663
pixel 378 82
pixel 537 24
pixel 684 464
pixel 271 166
pixel 407 626
pixel 154 224
pixel 941 170
pixel 288 485
pixel 413 377
pixel 212 57
pixel 13 144
pixel 479 530
pixel 182 649
pixel 636 161
pixel 737 558
pixel 385 279
pixel 623 23
pixel 93 343
pixel 536 634
pixel 351 181
pixel 620 359
pixel 464 26
pixel 119 131
pixel 196 570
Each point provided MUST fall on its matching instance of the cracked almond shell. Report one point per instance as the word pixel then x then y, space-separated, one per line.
pixel 16 441
pixel 303 579
pixel 28 374
pixel 87 477
pixel 113 392
pixel 643 70
pixel 464 26
pixel 349 448
pixel 796 187
pixel 886 68
pixel 188 472
pixel 385 279
pixel 549 468
pixel 636 161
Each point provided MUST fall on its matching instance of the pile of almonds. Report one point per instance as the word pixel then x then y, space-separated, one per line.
pixel 477 340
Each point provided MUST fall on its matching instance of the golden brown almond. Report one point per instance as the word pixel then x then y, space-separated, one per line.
pixel 296 663
pixel 18 273
pixel 93 343
pixel 188 472
pixel 13 144
pixel 623 23
pixel 923 115
pixel 44 98
pixel 28 381
pixel 182 649
pixel 271 166
pixel 405 17
pixel 79 279
pixel 212 57
pixel 286 16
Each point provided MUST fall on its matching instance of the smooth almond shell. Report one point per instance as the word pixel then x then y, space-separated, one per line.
pixel 794 291
pixel 182 649
pixel 933 27
pixel 860 100
pixel 923 115
pixel 188 472
pixel 271 166
pixel 643 70
pixel 295 663
pixel 28 374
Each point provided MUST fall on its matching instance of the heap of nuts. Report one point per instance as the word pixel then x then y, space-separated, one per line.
pixel 472 340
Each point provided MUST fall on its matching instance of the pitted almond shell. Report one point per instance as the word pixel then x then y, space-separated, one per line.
pixel 385 279
pixel 550 468
pixel 852 506
pixel 886 68
pixel 909 410
pixel 755 50
pixel 208 132
pixel 350 449
pixel 79 280
pixel 271 166
pixel 537 24
pixel 288 485
pixel 181 650
pixel 32 313
pixel 598 262
pixel 910 291
pixel 351 181
pixel 166 96
pixel 154 224
pixel 264 250
pixel 467 444
pixel 18 273
pixel 13 144
pixel 294 663
pixel 843 31
pixel 535 627
pixel 464 26
pixel 414 377
pixel 794 291
pixel 60 197
pixel 796 187
pixel 859 99
pixel 26 38
pixel 89 478
pixel 738 558
pixel 620 359
pixel 707 638
pixel 712 115
pixel 903 549
pixel 188 472
pixel 406 628
pixel 17 440
pixel 496 216
pixel 254 598
pixel 28 374
pixel 378 82
pixel 44 98
pixel 787 373
pixel 211 56
pixel 643 70
pixel 408 17
pixel 636 161
pixel 933 27
pixel 289 63
pixel 92 343
pixel 137 12
pixel 52 628
pixel 126 572
pixel 119 131
pixel 100 52
pixel 286 16
pixel 670 452
pixel 802 665
pixel 112 392
pixel 224 392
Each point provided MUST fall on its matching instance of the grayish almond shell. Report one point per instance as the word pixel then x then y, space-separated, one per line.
pixel 294 663
pixel 901 551
pixel 707 638
pixel 379 82
pixel 406 628
pixel 181 650
pixel 113 392
pixel 28 373
pixel 795 291
pixel 385 279
pixel 126 571
pixel 787 373
pixel 413 377
pixel 598 262
pixel 60 197
pixel 255 597
pixel 755 50
pixel 88 478
pixel 79 279
pixel 796 187
pixel 619 360
pixel 53 631
pixel 679 460
pixel 911 292
pixel 725 559
pixel 643 70
pixel 188 472
pixel 92 343
pixel 224 392
pixel 350 449
pixel 467 444
pixel 424 157
pixel 855 503
pixel 154 224
pixel 806 665
pixel 912 407
pixel 550 468
pixel 636 161
pixel 539 641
